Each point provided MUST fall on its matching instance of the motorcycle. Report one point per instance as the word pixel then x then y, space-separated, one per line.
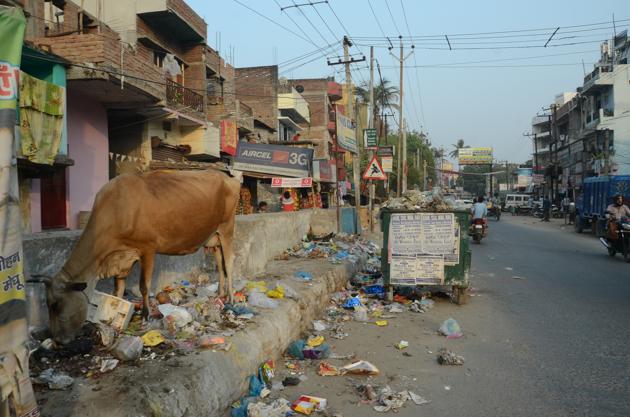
pixel 478 229
pixel 495 211
pixel 622 243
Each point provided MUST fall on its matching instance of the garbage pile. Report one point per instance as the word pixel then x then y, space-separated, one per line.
pixel 335 248
pixel 432 201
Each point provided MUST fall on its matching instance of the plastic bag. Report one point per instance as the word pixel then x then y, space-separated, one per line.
pixel 255 386
pixel 295 349
pixel 451 329
pixel 303 275
pixel 128 348
pixel 320 352
pixel 360 314
pixel 258 299
pixel 55 380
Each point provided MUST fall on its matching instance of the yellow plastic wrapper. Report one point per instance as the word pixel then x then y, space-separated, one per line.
pixel 381 323
pixel 277 292
pixel 260 286
pixel 152 338
pixel 315 341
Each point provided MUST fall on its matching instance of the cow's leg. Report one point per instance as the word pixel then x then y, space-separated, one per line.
pixel 218 258
pixel 119 286
pixel 226 236
pixel 145 281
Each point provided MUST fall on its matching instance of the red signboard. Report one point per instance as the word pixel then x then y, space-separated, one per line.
pixel 229 136
pixel 280 182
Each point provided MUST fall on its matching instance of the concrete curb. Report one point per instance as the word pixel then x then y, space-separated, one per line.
pixel 206 383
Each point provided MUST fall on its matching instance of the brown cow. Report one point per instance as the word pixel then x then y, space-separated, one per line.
pixel 135 217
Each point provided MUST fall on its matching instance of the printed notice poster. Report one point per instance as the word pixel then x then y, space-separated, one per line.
pixel 415 234
pixel 419 270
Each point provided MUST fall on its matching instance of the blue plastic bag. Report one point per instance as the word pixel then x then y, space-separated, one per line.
pixel 255 386
pixel 303 275
pixel 374 289
pixel 352 302
pixel 295 349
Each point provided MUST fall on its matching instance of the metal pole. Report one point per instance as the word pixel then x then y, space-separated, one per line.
pixel 404 158
pixel 371 126
pixel 400 124
pixel 606 151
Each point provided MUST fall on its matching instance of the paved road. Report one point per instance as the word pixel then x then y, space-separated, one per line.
pixel 547 334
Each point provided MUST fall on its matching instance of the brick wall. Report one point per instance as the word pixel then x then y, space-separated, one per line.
pixel 258 87
pixel 220 109
pixel 316 95
pixel 188 14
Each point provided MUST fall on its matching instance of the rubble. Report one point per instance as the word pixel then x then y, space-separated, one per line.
pixel 446 357
pixel 432 201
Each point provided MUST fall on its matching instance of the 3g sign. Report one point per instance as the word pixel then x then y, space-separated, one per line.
pixel 299 159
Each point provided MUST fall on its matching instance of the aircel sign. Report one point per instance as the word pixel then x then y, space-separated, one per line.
pixel 273 159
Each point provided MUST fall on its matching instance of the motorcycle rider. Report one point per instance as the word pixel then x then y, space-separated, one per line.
pixel 479 210
pixel 617 210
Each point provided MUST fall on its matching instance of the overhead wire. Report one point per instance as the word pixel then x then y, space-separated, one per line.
pixel 413 99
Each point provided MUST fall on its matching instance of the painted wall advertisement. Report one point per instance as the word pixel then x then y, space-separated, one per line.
pixel 278 160
pixel 229 136
pixel 420 245
pixel 474 156
pixel 346 136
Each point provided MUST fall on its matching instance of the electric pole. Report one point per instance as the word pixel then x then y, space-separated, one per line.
pixel 371 126
pixel 402 154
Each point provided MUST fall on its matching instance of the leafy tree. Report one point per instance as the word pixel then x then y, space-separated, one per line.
pixel 459 145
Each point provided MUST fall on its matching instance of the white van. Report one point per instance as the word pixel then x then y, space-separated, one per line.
pixel 516 200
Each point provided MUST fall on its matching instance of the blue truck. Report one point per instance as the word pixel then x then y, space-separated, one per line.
pixel 596 196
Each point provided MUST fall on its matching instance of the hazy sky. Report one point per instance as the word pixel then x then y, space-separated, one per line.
pixel 486 97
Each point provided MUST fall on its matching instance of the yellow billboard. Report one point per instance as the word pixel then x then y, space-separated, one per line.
pixel 474 156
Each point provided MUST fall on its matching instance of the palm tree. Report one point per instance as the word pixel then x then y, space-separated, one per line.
pixel 385 95
pixel 459 145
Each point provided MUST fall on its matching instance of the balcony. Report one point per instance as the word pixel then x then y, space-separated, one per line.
pixel 244 117
pixel 204 143
pixel 173 17
pixel 334 91
pixel 182 98
pixel 291 104
pixel 598 80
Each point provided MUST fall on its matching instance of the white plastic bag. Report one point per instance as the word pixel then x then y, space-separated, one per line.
pixel 258 299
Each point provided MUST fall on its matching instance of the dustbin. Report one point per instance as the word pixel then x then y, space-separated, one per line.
pixel 426 249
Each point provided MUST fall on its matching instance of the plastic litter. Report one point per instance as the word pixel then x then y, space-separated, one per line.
pixel 108 365
pixel 266 371
pixel 303 275
pixel 239 408
pixel 296 348
pixel 320 352
pixel 403 344
pixel 390 400
pixel 278 408
pixel 446 357
pixel 319 325
pixel 417 399
pixel 352 302
pixel 108 335
pixel 128 348
pixel 277 292
pixel 54 379
pixel 327 369
pixel 394 308
pixel 314 341
pixel 381 323
pixel 152 338
pixel 239 309
pixel 374 290
pixel 360 314
pixel 451 329
pixel 291 381
pixel 260 300
pixel 361 368
pixel 255 386
pixel 306 404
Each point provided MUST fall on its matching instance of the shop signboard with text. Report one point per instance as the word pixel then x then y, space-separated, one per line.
pixel 346 136
pixel 278 160
pixel 281 182
pixel 474 156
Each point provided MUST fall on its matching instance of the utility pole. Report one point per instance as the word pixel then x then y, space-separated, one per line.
pixel 371 126
pixel 424 175
pixel 606 151
pixel 350 114
pixel 404 157
pixel 401 154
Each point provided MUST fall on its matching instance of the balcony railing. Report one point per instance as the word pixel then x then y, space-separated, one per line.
pixel 177 94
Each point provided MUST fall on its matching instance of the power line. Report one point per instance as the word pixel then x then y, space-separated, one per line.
pixel 392 17
pixel 376 18
pixel 310 22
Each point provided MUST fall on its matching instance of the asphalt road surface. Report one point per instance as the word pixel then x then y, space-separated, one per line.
pixel 547 333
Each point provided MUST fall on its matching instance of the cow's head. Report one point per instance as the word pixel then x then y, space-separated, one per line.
pixel 67 307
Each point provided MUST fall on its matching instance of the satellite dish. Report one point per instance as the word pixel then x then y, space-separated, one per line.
pixel 299 88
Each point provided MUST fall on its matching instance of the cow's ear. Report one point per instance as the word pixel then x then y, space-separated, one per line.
pixel 76 286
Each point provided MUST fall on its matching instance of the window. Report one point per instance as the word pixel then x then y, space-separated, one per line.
pixel 158 58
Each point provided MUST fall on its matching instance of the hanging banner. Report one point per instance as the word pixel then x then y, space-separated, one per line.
pixel 281 160
pixel 229 137
pixel 14 376
pixel 370 141
pixel 346 137
pixel 387 162
pixel 280 182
